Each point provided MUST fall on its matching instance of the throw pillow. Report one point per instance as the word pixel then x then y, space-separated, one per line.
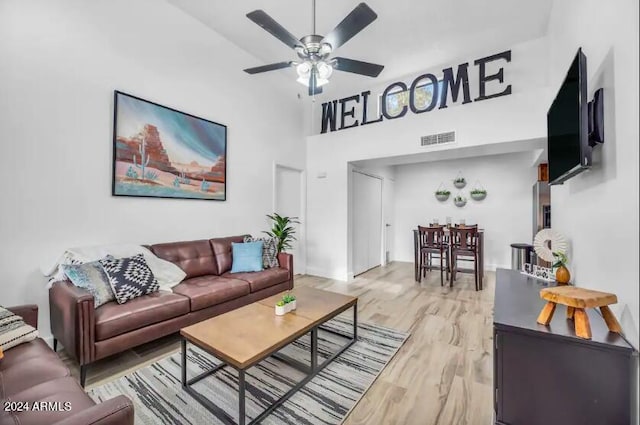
pixel 269 251
pixel 129 277
pixel 13 330
pixel 246 257
pixel 90 276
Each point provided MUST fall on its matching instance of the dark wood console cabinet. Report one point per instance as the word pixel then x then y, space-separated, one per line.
pixel 546 375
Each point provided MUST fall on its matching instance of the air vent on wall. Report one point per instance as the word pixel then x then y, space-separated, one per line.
pixel 438 139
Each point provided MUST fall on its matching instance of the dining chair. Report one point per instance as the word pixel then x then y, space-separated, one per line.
pixel 464 247
pixel 431 243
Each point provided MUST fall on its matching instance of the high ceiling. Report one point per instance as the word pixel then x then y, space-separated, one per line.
pixel 408 36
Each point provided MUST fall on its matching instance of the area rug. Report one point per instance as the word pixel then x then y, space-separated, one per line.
pixel 158 397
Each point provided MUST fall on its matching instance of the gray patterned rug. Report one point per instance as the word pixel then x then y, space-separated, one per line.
pixel 327 399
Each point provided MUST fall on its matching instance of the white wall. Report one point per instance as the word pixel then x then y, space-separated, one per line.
pixel 598 210
pixel 505 214
pixel 61 61
pixel 500 121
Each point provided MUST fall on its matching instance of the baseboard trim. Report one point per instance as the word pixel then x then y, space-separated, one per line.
pixel 328 274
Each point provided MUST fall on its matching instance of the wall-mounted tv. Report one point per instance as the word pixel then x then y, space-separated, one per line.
pixel 569 152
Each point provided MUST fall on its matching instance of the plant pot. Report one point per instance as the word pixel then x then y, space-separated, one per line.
pixel 562 275
pixel 478 196
pixel 281 310
pixel 460 203
pixel 442 198
pixel 292 305
pixel 460 185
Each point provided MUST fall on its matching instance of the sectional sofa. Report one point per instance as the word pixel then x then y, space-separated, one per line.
pixel 89 334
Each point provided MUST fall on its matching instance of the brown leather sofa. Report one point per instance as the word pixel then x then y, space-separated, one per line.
pixel 89 334
pixel 32 373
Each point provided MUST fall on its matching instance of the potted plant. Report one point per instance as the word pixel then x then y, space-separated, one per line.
pixel 280 308
pixel 460 201
pixel 289 301
pixel 442 195
pixel 562 272
pixel 282 230
pixel 478 194
pixel 459 182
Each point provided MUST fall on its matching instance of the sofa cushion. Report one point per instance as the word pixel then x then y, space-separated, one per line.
pixel 92 277
pixel 194 257
pixel 247 257
pixel 222 251
pixel 13 330
pixel 206 291
pixel 115 319
pixel 129 277
pixel 64 392
pixel 28 365
pixel 261 280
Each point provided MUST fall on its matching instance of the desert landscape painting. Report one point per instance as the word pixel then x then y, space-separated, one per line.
pixel 164 153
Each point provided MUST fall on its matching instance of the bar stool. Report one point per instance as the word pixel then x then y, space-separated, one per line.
pixel 431 241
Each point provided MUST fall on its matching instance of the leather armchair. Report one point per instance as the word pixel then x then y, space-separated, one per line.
pixel 36 360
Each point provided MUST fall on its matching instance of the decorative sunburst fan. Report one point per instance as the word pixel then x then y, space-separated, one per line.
pixel 548 241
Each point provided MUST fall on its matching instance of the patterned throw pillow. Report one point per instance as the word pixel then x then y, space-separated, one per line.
pixel 90 276
pixel 129 277
pixel 269 251
pixel 13 330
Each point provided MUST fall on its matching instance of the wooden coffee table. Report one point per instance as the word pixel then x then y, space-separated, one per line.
pixel 244 337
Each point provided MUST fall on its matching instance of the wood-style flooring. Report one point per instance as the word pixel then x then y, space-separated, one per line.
pixel 441 376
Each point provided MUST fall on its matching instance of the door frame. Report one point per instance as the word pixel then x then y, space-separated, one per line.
pixel 383 236
pixel 302 237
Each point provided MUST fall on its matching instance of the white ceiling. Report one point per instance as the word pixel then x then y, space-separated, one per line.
pixel 408 36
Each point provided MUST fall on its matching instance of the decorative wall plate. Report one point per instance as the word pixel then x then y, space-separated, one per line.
pixel 548 241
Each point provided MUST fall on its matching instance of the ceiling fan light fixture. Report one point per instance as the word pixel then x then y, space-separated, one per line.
pixel 324 70
pixel 319 81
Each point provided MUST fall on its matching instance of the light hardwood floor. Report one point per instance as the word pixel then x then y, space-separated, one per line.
pixel 442 375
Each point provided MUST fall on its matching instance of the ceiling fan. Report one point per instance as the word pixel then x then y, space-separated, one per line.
pixel 314 50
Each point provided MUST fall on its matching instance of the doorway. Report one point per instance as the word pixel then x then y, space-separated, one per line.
pixel 366 222
pixel 289 199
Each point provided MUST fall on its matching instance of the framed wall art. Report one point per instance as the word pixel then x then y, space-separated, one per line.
pixel 160 152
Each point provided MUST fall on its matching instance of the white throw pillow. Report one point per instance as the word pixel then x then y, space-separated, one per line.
pixel 167 273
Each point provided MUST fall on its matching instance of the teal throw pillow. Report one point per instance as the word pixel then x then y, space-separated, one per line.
pixel 247 257
pixel 90 276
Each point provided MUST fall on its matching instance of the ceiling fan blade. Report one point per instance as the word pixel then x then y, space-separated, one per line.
pixel 313 84
pixel 270 67
pixel 270 25
pixel 352 24
pixel 357 67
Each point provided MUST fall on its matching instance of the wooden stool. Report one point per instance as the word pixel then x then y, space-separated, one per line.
pixel 577 300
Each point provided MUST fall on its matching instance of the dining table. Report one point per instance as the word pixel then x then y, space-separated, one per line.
pixel 447 231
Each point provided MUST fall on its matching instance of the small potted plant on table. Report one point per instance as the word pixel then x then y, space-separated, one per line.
pixel 280 308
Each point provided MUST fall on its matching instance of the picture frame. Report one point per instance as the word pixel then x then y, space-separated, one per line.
pixel 161 152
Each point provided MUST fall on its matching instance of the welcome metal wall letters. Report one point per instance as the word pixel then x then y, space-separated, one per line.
pixel 449 82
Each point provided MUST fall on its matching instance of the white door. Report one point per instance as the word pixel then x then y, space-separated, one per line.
pixel 289 201
pixel 366 222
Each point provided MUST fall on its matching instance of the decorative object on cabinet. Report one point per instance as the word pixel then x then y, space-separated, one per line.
pixel 538 272
pixel 548 241
pixel 160 152
pixel 562 272
pixel 577 300
pixel 460 201
pixel 459 182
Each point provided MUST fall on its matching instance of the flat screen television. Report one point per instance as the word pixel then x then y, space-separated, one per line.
pixel 569 151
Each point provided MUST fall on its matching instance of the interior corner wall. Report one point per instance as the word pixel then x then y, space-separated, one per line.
pixel 598 210
pixel 518 117
pixel 505 214
pixel 61 61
